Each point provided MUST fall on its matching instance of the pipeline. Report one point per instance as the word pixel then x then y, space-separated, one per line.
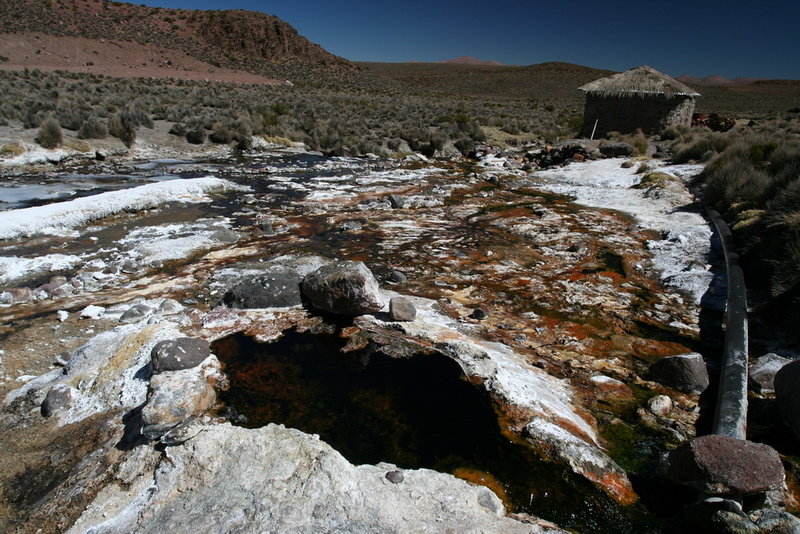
pixel 730 418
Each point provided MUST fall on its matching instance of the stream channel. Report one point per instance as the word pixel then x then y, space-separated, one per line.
pixel 572 289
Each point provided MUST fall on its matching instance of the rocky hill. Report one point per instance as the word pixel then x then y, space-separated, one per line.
pixel 236 39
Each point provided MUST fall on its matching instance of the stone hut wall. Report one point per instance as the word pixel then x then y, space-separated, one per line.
pixel 626 114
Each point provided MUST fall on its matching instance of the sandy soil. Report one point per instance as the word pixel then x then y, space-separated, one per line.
pixel 112 58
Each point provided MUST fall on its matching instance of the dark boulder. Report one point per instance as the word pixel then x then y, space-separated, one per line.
pixel 686 372
pixel 180 353
pixel 57 399
pixel 274 290
pixel 721 465
pixel 614 150
pixel 396 277
pixel 343 287
pixel 787 394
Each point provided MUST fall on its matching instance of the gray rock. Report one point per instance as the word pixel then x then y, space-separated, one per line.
pixel 351 226
pixel 344 287
pixel 274 290
pixel 761 375
pixel 616 149
pixel 395 476
pixel 396 201
pixel 402 309
pixel 224 235
pixel 136 313
pixel 58 398
pixel 275 479
pixel 787 394
pixel 660 405
pixel 130 267
pixel 778 522
pixel 396 277
pixel 686 372
pixel 720 465
pixel 267 228
pixel 177 354
pixel 184 431
pixel 173 397
pixel 170 307
pixel 717 516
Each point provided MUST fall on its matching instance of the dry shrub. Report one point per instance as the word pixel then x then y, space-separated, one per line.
pixel 50 135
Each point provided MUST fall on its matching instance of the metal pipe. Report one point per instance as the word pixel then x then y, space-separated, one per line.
pixel 730 418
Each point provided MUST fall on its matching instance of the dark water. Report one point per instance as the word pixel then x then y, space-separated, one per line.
pixel 417 412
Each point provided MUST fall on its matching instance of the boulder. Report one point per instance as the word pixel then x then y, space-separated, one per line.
pixel 58 398
pixel 402 309
pixel 177 354
pixel 396 201
pixel 344 287
pixel 136 313
pixel 396 277
pixel 174 397
pixel 761 375
pixel 273 290
pixel 614 150
pixel 721 465
pixel 787 394
pixel 686 372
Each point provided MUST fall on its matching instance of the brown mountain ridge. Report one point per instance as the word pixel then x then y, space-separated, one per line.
pixel 234 39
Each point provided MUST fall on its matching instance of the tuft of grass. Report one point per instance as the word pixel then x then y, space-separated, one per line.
pixel 50 134
pixel 10 150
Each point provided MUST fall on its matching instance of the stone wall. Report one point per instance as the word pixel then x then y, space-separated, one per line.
pixel 651 113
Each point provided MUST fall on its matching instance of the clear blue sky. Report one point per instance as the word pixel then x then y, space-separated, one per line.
pixel 695 37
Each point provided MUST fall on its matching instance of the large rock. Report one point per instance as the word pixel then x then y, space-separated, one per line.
pixel 720 465
pixel 274 290
pixel 787 394
pixel 616 149
pixel 177 354
pixel 275 479
pixel 174 397
pixel 344 287
pixel 685 372
pixel 761 375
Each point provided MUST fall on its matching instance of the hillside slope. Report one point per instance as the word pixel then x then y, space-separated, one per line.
pixel 245 40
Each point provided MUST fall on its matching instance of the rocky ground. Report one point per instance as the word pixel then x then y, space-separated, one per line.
pixel 554 291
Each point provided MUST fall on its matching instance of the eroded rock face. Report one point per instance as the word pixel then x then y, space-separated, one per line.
pixel 719 465
pixel 344 287
pixel 289 482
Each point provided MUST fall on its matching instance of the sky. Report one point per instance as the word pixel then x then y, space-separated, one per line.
pixel 697 38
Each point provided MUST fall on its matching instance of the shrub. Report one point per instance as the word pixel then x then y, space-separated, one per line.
pixel 196 136
pixel 93 128
pixel 121 126
pixel 50 134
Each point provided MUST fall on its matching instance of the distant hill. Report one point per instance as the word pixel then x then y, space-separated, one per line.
pixel 235 39
pixel 553 81
pixel 715 81
pixel 469 60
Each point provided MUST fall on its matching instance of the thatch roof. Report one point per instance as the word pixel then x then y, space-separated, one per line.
pixel 638 81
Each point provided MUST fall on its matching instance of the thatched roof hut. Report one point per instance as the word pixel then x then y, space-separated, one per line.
pixel 638 98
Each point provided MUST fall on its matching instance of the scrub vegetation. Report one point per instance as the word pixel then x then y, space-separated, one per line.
pixel 343 121
pixel 752 177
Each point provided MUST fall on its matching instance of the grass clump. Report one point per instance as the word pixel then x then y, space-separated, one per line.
pixel 10 150
pixel 50 134
pixel 655 179
pixel 753 180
